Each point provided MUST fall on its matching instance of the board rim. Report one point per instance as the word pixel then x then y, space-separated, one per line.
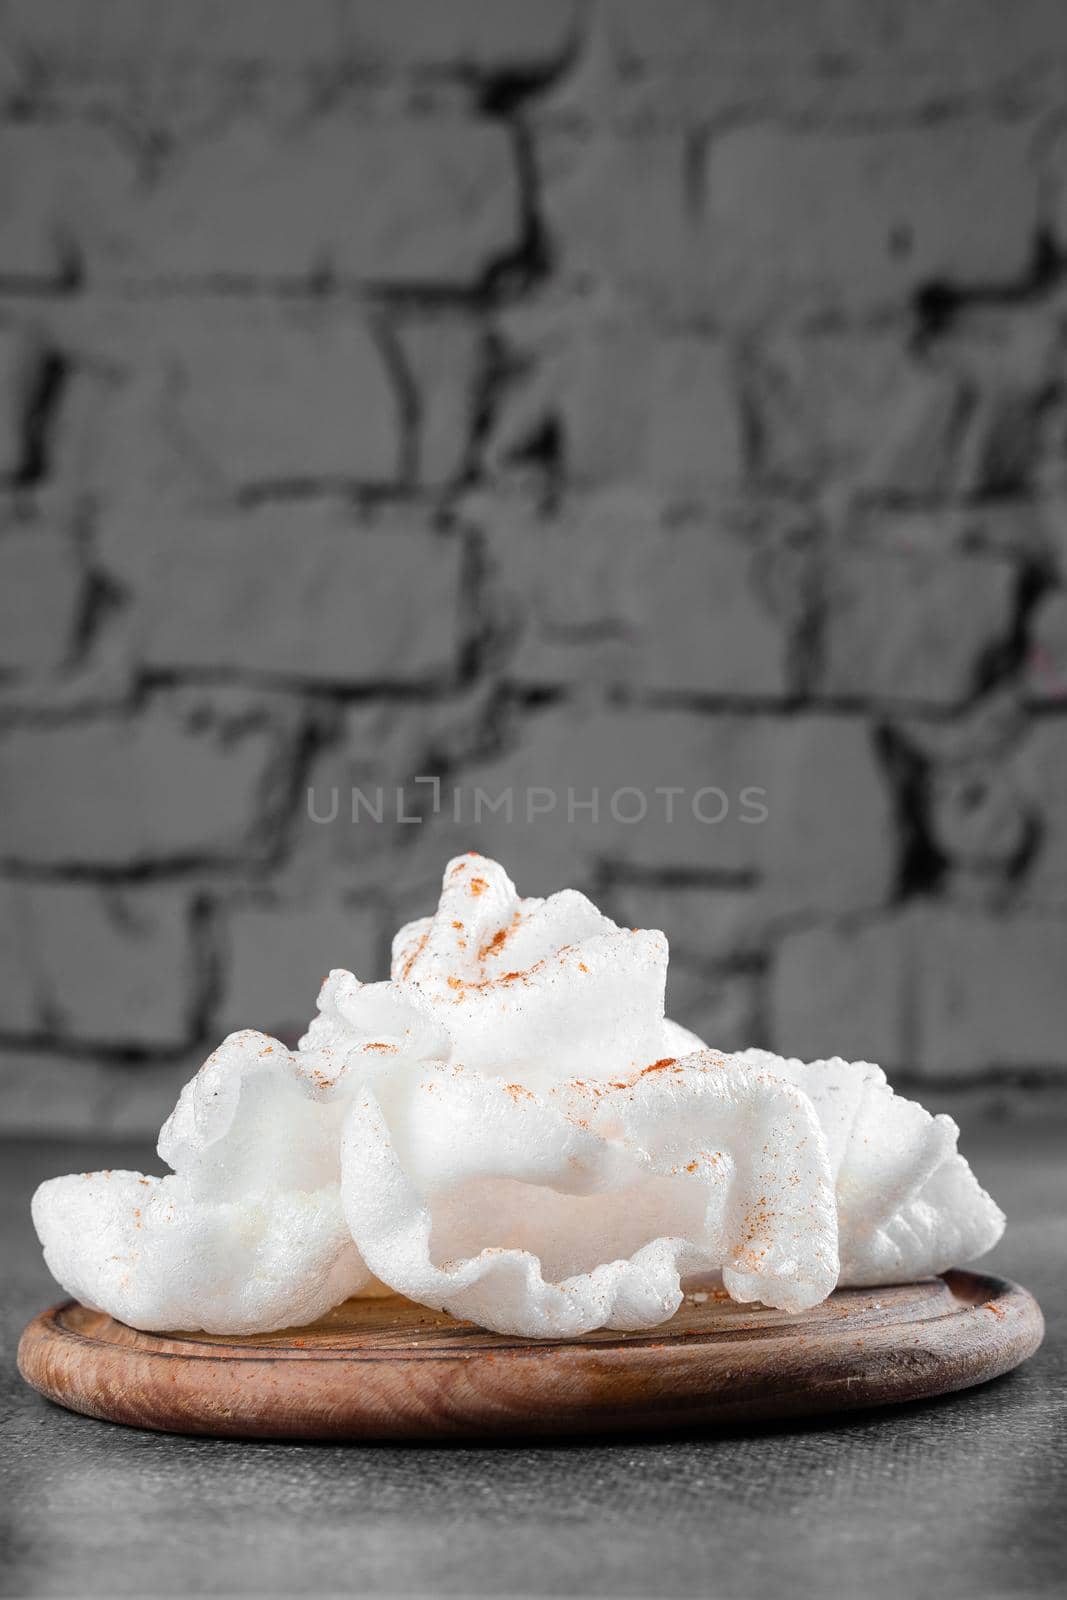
pixel 455 1392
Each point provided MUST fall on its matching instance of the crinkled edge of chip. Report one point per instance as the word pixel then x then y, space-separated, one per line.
pixel 908 1204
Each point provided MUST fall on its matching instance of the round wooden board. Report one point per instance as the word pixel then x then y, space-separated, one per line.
pixel 385 1368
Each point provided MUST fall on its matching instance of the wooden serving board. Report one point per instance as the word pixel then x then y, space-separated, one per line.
pixel 389 1369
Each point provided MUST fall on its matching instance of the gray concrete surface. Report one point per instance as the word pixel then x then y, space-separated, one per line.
pixel 962 1498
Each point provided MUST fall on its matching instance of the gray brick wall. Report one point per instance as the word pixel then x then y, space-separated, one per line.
pixel 622 407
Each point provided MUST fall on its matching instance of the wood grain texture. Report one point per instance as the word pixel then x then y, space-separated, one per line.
pixel 385 1368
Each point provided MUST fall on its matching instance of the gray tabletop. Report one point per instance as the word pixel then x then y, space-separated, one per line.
pixel 964 1496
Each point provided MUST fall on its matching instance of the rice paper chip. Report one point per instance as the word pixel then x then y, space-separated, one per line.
pixel 152 1255
pixel 549 1215
pixel 536 989
pixel 247 1233
pixel 908 1205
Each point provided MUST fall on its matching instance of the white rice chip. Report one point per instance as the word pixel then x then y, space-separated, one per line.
pixel 252 1120
pixel 247 1234
pixel 536 989
pixel 146 1251
pixel 908 1204
pixel 549 1215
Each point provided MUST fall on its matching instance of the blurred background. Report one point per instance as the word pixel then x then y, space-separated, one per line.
pixel 629 438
